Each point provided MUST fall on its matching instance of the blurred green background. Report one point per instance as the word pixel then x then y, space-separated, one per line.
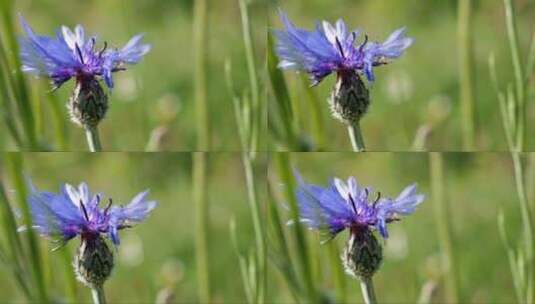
pixel 419 92
pixel 476 187
pixel 155 95
pixel 157 254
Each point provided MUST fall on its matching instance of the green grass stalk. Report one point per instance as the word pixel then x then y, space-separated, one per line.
pixel 253 77
pixel 466 73
pixel 200 28
pixel 200 11
pixel 520 87
pixel 526 224
pixel 261 258
pixel 436 164
pixel 201 225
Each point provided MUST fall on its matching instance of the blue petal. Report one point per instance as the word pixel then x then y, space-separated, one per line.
pixel 309 51
pixel 136 211
pixel 46 56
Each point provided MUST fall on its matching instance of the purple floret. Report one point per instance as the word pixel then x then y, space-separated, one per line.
pixel 69 55
pixel 76 211
pixel 331 48
pixel 349 206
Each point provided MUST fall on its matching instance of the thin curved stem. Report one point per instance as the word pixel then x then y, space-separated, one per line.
pixel 355 135
pixel 98 295
pixel 368 294
pixel 93 139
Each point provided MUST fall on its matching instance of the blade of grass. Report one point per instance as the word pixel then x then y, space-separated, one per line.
pixel 16 253
pixel 280 254
pixel 436 164
pixel 466 71
pixel 281 96
pixel 314 104
pixel 20 89
pixel 5 83
pixel 201 225
pixel 337 272
pixel 200 29
pixel 512 34
pixel 58 119
pixel 253 77
pixel 15 166
pixel 70 279
pixel 285 174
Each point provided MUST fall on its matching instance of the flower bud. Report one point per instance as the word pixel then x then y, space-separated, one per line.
pixel 93 262
pixel 88 103
pixel 349 98
pixel 363 254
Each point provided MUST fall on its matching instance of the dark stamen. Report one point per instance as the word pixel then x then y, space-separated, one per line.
pixel 118 69
pixel 103 49
pixel 79 53
pixel 377 198
pixel 353 204
pixel 340 48
pixel 83 209
pixel 108 207
pixel 364 43
pixel 93 44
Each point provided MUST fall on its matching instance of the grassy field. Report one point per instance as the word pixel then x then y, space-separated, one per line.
pixel 476 187
pixel 158 255
pixel 156 95
pixel 419 93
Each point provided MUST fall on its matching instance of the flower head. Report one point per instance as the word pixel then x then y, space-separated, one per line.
pixel 70 55
pixel 330 49
pixel 349 206
pixel 76 211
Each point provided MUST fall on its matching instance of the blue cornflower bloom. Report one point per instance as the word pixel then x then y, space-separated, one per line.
pixel 348 206
pixel 330 49
pixel 71 55
pixel 76 211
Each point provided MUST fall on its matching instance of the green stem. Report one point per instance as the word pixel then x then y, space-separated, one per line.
pixel 93 139
pixel 253 78
pixel 526 221
pixel 199 47
pixel 368 293
pixel 464 36
pixel 512 34
pixel 436 164
pixel 98 295
pixel 201 226
pixel 258 228
pixel 355 135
